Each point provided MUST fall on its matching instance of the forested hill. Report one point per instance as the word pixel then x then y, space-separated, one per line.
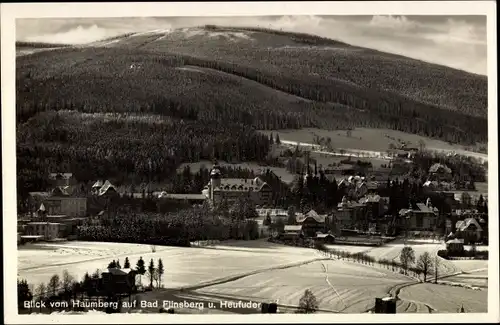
pixel 77 106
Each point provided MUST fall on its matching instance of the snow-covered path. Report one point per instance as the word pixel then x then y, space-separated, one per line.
pixel 347 152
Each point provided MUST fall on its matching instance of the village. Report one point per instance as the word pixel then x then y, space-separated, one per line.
pixel 364 209
pixel 370 212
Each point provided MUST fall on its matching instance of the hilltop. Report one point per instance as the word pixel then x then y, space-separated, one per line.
pixel 78 106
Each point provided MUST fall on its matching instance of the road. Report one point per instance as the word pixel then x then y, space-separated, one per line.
pixel 380 154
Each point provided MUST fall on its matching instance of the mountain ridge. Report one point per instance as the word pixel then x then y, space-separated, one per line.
pixel 241 28
pixel 78 106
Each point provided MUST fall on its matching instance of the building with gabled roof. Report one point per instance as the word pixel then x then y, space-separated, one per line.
pixel 65 200
pixel 292 232
pixel 107 189
pixel 422 218
pixel 469 230
pixel 231 189
pixel 119 281
pixel 311 223
pixel 455 246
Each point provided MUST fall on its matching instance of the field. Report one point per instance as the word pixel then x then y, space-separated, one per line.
pixel 38 263
pixel 262 271
pixel 338 286
pixel 444 299
pixel 371 139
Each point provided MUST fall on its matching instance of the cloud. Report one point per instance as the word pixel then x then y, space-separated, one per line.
pixel 458 42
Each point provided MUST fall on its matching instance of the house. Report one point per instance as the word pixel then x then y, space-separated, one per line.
pixel 62 200
pixel 354 186
pixel 107 189
pixel 47 230
pixel 469 230
pixel 455 246
pixel 349 213
pixel 69 224
pixel 422 218
pixel 375 205
pixel 231 189
pixel 311 223
pixel 292 232
pixel 119 281
pixel 96 187
pixel 440 172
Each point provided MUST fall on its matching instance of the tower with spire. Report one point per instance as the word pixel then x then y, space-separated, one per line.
pixel 215 176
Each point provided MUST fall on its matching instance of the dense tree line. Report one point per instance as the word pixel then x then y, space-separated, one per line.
pixel 20 44
pixel 283 52
pixel 229 221
pixel 315 190
pixel 100 146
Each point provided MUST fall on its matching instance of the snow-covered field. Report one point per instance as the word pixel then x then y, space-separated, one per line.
pixel 338 286
pixel 260 270
pixel 443 298
pixel 184 266
pixel 391 251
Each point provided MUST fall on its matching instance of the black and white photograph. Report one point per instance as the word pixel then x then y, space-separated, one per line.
pixel 230 164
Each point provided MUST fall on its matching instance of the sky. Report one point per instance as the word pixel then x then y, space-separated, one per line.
pixel 455 41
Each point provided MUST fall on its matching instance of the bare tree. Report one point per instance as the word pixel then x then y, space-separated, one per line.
pixel 436 267
pixel 407 257
pixel 308 303
pixel 421 145
pixel 153 248
pixel 53 285
pixel 67 281
pixel 424 263
pixel 40 292
pixel 156 277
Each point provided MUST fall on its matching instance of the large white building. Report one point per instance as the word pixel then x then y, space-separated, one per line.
pixel 231 189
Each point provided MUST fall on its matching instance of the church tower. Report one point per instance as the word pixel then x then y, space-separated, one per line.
pixel 215 176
